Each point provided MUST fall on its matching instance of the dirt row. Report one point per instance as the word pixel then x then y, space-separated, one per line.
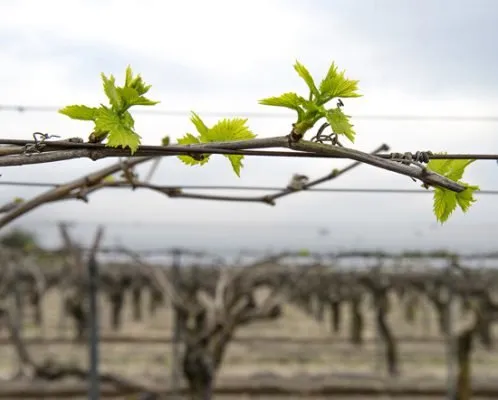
pixel 270 385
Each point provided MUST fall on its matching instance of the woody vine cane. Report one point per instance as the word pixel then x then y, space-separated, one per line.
pixel 115 123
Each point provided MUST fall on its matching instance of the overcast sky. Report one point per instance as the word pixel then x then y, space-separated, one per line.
pixel 415 57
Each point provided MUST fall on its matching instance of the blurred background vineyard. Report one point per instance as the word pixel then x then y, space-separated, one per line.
pixel 359 326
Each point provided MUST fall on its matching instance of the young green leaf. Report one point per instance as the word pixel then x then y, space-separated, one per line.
pixel 236 162
pixel 226 130
pixel 199 124
pixel 128 76
pixel 79 112
pixel 304 73
pixel 466 198
pixel 120 129
pixel 191 139
pixel 444 204
pixel 111 92
pixel 130 97
pixel 139 85
pixel 446 201
pixel 115 123
pixel 339 122
pixel 335 84
pixel 288 100
pixel 452 169
pixel 311 110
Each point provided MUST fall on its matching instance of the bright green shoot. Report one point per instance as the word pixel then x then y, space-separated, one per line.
pixel 115 121
pixel 225 130
pixel 311 110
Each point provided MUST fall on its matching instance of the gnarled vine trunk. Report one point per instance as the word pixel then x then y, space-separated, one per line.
pixel 335 317
pixel 389 341
pixel 357 323
pixel 199 371
pixel 136 299
pixel 116 298
pixel 465 342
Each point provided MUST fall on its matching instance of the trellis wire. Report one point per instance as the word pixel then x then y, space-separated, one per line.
pixel 175 149
pixel 257 188
pixel 22 108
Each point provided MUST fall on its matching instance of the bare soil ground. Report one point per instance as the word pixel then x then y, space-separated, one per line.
pixel 296 347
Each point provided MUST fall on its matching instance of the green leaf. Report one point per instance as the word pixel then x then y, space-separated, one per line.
pixel 452 169
pixel 466 198
pixel 446 201
pixel 115 122
pixel 311 110
pixel 130 97
pixel 189 160
pixel 199 124
pixel 111 92
pixel 143 101
pixel 127 120
pixel 304 73
pixel 335 84
pixel 339 122
pixel 227 130
pixel 236 162
pixel 120 128
pixel 79 112
pixel 223 131
pixel 288 100
pixel 139 85
pixel 189 139
pixel 135 82
pixel 128 76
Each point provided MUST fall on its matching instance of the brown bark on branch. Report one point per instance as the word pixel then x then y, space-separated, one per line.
pixel 65 190
pixel 100 151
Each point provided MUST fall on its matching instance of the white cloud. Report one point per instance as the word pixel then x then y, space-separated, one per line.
pixel 223 36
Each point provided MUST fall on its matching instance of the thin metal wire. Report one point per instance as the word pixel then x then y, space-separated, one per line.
pixel 257 188
pixel 255 114
pixel 178 150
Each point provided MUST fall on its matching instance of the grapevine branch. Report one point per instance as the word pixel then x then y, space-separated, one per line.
pixel 81 188
pixel 65 190
pixel 28 148
pixel 9 206
pixel 115 125
pixel 97 151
